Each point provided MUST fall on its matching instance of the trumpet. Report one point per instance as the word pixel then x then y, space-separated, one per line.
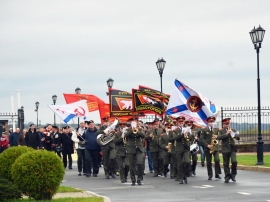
pixel 135 130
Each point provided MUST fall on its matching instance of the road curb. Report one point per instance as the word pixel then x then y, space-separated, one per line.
pixel 106 199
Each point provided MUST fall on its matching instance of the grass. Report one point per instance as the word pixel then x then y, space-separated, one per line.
pixel 65 189
pixel 90 199
pixel 247 159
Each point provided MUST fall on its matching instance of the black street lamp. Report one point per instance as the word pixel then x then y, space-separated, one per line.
pixel 37 105
pixel 78 91
pixel 160 66
pixel 54 98
pixel 109 84
pixel 257 38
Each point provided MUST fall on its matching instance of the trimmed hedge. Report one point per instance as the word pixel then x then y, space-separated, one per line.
pixel 38 174
pixel 9 190
pixel 8 157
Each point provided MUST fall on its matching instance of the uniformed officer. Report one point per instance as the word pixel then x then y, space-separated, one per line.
pixel 109 154
pixel 55 137
pixel 182 150
pixel 121 157
pixel 154 137
pixel 229 149
pixel 134 151
pixel 208 137
pixel 173 166
pixel 166 146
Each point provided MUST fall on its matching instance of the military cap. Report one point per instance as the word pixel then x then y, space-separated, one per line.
pixel 91 121
pixel 122 123
pixel 65 127
pixel 226 120
pixel 211 119
pixel 188 122
pixel 87 122
pixel 156 121
pixel 55 127
pixel 180 119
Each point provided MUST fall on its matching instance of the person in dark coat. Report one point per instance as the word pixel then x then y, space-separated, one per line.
pixel 55 137
pixel 67 146
pixel 32 138
pixel 92 149
pixel 14 137
pixel 47 140
pixel 21 141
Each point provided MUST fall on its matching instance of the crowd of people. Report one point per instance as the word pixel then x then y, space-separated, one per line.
pixel 166 145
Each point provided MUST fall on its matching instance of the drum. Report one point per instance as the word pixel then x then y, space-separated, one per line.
pixel 194 148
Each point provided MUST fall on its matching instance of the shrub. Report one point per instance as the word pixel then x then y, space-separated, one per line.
pixel 8 190
pixel 8 157
pixel 38 174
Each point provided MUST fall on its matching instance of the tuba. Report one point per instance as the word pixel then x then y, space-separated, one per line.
pixel 103 139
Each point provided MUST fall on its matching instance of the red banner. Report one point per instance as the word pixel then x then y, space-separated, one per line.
pixel 93 102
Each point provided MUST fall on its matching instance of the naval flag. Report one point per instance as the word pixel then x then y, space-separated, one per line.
pixel 185 101
pixel 69 111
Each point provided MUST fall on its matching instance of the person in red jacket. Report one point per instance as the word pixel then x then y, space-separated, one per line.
pixel 3 143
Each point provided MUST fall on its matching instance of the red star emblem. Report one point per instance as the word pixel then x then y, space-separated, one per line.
pixel 175 109
pixel 181 88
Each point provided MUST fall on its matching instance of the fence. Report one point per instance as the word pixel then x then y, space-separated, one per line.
pixel 245 120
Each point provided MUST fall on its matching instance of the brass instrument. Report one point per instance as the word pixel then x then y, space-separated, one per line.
pixel 103 139
pixel 170 147
pixel 135 130
pixel 213 143
pixel 187 130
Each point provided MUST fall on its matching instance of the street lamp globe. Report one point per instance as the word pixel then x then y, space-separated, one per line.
pixel 37 105
pixel 110 82
pixel 54 98
pixel 260 34
pixel 78 90
pixel 161 65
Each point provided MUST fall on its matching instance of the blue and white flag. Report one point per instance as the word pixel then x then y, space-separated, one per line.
pixel 69 111
pixel 185 101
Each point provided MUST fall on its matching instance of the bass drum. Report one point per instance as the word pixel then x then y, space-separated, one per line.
pixel 194 148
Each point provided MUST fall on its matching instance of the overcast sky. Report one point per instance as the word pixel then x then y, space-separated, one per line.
pixel 53 46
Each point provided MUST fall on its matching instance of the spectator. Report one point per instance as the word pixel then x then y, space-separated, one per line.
pixel 21 141
pixel 67 146
pixel 32 138
pixel 10 131
pixel 14 137
pixel 55 137
pixel 80 147
pixel 40 135
pixel 3 143
pixel 92 149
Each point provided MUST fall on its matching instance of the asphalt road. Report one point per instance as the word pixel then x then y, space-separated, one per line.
pixel 250 186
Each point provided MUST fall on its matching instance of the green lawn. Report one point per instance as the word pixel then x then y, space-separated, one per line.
pixel 250 160
pixel 64 189
pixel 247 160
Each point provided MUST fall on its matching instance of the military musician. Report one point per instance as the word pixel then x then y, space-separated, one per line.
pixel 228 136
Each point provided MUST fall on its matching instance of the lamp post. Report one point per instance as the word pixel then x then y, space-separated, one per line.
pixel 160 67
pixel 54 98
pixel 78 91
pixel 37 105
pixel 257 39
pixel 109 84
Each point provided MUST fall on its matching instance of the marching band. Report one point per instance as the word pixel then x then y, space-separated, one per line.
pixel 173 148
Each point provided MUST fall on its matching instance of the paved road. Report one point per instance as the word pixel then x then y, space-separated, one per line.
pixel 250 186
